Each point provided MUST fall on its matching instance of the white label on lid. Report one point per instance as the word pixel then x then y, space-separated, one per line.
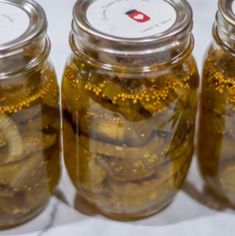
pixel 131 18
pixel 13 22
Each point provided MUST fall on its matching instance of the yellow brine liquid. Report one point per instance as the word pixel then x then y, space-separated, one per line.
pixel 129 99
pixel 29 143
pixel 128 142
pixel 217 123
pixel 29 117
pixel 216 142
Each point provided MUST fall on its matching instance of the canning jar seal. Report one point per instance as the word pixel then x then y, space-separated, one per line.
pixel 177 37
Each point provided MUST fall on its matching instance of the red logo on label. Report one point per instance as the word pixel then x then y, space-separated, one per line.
pixel 138 16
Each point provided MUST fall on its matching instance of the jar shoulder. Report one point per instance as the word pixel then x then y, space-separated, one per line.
pixel 220 60
pixel 80 68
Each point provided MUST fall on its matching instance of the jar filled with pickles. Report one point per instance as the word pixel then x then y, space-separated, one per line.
pixel 129 97
pixel 216 143
pixel 29 113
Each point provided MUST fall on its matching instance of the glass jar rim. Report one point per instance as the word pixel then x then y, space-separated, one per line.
pixel 224 26
pixel 226 10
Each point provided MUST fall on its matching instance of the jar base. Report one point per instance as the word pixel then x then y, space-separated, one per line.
pixel 215 200
pixel 82 203
pixel 130 217
pixel 21 218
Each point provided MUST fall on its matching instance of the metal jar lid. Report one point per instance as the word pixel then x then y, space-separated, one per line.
pixel 133 22
pixel 21 22
pixel 127 30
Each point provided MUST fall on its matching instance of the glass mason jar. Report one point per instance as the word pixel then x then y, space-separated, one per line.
pixel 216 144
pixel 129 97
pixel 29 113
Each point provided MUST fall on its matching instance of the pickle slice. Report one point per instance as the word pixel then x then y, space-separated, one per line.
pixel 6 192
pixel 137 166
pixel 27 170
pixel 129 170
pixel 27 114
pixel 136 196
pixel 39 169
pixel 15 90
pixel 156 146
pixel 217 123
pixel 150 191
pixel 37 141
pixel 42 170
pixel 103 124
pixel 12 136
pixel 47 119
pixel 227 180
pixel 73 90
pixel 91 174
pixel 214 102
pixel 116 97
pixel 32 142
pixel 18 174
pixel 127 163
